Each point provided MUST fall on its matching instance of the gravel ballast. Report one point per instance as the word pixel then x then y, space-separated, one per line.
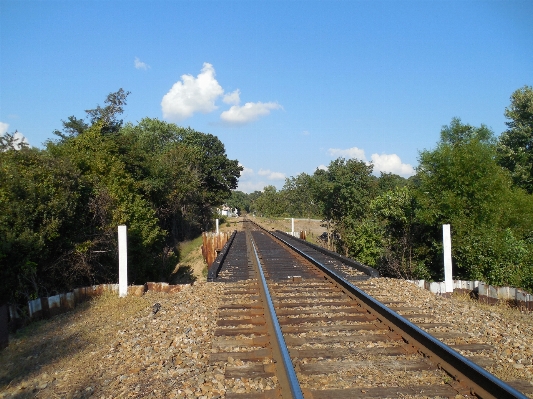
pixel 119 348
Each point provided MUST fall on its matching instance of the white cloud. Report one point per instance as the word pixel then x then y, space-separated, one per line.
pixel 233 97
pixel 250 186
pixel 249 112
pixel 353 152
pixel 246 172
pixel 322 167
pixel 3 128
pixel 139 64
pixel 251 181
pixel 271 175
pixel 192 95
pixel 391 163
pixel 387 163
pixel 18 138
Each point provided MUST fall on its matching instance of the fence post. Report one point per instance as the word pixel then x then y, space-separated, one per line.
pixel 217 225
pixel 447 246
pixel 122 261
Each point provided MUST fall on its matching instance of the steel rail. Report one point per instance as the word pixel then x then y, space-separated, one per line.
pixel 289 374
pixel 357 265
pixel 480 382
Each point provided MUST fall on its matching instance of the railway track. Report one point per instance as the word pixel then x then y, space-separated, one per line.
pixel 297 322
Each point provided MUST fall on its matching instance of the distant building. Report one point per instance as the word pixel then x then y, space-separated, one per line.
pixel 227 211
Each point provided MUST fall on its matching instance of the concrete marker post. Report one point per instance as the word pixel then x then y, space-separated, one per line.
pixel 447 247
pixel 217 226
pixel 292 224
pixel 122 261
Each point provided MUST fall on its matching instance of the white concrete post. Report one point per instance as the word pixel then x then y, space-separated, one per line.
pixel 447 246
pixel 122 261
pixel 292 221
pixel 217 226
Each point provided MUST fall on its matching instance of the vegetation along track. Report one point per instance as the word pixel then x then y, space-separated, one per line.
pixel 296 321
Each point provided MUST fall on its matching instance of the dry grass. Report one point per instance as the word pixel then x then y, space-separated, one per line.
pixel 49 350
pixel 503 308
pixel 192 266
pixel 313 227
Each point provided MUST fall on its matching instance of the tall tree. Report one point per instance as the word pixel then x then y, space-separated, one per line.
pixel 462 184
pixel 343 193
pixel 515 147
pixel 107 116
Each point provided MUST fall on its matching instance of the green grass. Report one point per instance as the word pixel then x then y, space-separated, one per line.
pixel 187 247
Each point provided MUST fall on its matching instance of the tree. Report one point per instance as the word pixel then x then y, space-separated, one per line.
pixel 515 147
pixel 106 116
pixel 60 207
pixel 390 181
pixel 269 203
pixel 39 209
pixel 240 201
pixel 343 193
pixel 402 237
pixel 462 184
pixel 298 197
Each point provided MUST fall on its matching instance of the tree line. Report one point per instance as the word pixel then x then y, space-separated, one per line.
pixel 60 205
pixel 479 184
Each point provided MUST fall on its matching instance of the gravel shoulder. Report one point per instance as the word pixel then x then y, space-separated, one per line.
pixel 114 347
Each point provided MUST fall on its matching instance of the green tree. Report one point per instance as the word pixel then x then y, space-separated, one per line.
pixel 60 207
pixel 269 203
pixel 462 184
pixel 343 193
pixel 515 147
pixel 239 200
pixel 298 197
pixel 390 181
pixel 107 116
pixel 39 209
pixel 402 237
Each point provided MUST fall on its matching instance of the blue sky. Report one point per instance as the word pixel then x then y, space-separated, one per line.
pixel 287 86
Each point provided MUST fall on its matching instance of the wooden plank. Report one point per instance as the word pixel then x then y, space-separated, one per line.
pixel 292 289
pixel 285 305
pixel 253 305
pixel 240 292
pixel 240 322
pixel 251 356
pixel 240 313
pixel 267 394
pixel 432 325
pixel 418 316
pixel 449 335
pixel 329 367
pixel 262 341
pixel 312 297
pixel 481 361
pixel 383 392
pixel 337 353
pixel 472 347
pixel 334 327
pixel 296 341
pixel 256 330
pixel 318 319
pixel 250 371
pixel 348 310
pixel 523 386
pixel 403 309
